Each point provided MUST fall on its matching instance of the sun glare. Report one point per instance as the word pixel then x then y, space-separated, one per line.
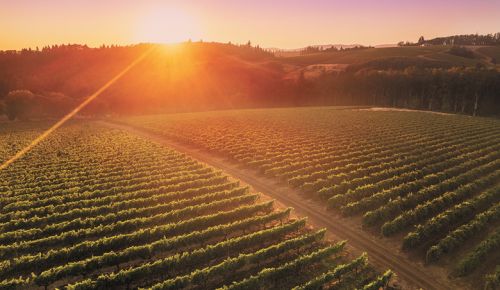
pixel 167 25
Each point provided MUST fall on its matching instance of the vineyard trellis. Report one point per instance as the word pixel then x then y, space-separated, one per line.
pixel 430 178
pixel 92 207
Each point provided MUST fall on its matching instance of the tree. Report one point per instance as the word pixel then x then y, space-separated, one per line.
pixel 18 104
pixel 56 104
pixel 421 40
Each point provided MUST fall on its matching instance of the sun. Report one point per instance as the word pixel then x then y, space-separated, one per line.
pixel 167 25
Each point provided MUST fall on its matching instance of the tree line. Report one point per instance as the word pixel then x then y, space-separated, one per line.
pixel 464 39
pixel 51 81
pixel 472 91
pixel 318 49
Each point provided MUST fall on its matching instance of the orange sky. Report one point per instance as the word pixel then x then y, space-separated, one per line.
pixel 285 24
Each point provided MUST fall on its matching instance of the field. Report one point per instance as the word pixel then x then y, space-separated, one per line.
pixel 436 52
pixel 431 182
pixel 98 208
pixel 491 51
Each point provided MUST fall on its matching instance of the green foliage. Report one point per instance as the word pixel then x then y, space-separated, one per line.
pixel 424 175
pixel 380 282
pixel 457 237
pixel 18 104
pixel 270 276
pixel 90 199
pixel 449 217
pixel 493 280
pixel 335 274
pixel 234 263
pixel 476 257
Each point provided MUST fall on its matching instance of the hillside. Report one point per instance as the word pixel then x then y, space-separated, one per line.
pixel 437 53
pixel 199 76
pixel 100 208
pixel 196 74
pixel 431 192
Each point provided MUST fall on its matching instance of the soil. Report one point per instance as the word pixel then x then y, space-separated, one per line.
pixel 383 253
pixel 403 110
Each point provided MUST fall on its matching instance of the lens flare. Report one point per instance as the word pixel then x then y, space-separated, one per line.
pixel 68 116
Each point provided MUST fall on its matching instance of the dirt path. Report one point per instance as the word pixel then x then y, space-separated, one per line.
pixel 381 253
pixel 485 58
pixel 404 110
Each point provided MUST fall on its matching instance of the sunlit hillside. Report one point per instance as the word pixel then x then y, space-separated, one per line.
pixel 249 145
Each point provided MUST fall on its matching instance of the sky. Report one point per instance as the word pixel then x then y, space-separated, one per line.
pixel 282 24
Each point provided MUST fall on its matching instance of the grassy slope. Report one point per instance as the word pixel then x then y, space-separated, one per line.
pixel 454 60
pixel 359 56
pixel 491 51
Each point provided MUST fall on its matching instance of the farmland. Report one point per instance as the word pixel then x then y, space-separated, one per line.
pixel 98 208
pixel 429 182
pixel 436 53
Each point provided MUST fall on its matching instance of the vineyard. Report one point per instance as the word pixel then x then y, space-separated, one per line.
pixel 429 181
pixel 98 208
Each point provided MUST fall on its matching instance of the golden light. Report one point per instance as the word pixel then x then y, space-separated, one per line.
pixel 167 24
pixel 71 114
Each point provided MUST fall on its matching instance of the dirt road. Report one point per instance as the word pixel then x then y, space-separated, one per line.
pixel 381 253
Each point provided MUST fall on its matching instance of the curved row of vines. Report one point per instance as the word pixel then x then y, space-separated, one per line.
pixel 97 208
pixel 432 181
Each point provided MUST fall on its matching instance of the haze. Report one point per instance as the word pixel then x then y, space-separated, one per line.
pixel 283 24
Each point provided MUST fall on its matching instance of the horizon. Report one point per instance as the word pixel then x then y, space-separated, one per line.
pixel 298 23
pixel 382 45
pixel 224 144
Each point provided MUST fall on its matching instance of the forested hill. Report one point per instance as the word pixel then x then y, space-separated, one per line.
pixel 465 39
pixel 199 76
pixel 192 75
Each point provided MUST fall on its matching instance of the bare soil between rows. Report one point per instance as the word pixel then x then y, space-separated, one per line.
pixel 383 253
